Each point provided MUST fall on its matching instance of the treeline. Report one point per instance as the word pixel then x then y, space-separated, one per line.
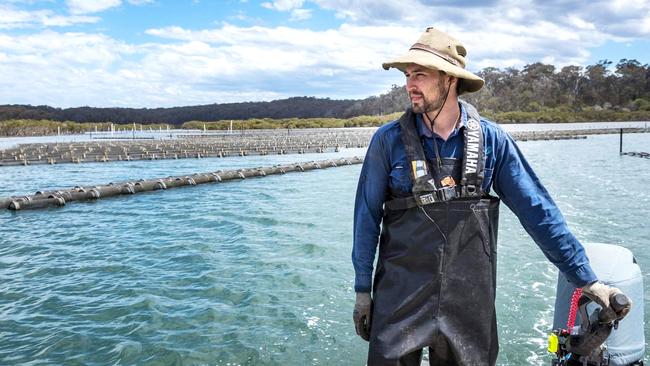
pixel 289 123
pixel 28 127
pixel 536 93
pixel 298 107
pixel 573 93
pixel 31 127
pixel 540 93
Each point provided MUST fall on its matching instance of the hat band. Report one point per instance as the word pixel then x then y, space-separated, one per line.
pixel 424 47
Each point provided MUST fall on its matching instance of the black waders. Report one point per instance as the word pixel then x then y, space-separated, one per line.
pixel 436 274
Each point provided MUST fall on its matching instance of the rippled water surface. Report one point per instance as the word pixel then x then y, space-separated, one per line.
pixel 258 272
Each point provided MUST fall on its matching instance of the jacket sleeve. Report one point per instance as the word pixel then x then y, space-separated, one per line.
pixel 521 190
pixel 368 211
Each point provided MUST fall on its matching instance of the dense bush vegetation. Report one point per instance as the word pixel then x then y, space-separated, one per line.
pixel 584 91
pixel 268 123
pixel 31 127
pixel 565 114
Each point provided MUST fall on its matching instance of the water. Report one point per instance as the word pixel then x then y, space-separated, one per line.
pixel 520 127
pixel 258 272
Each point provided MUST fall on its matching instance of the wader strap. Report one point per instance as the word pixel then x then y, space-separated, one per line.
pixel 473 154
pixel 424 189
pixel 403 203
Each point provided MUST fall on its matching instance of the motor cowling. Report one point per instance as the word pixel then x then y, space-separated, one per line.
pixel 615 266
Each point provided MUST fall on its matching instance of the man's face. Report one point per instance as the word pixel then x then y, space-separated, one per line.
pixel 426 88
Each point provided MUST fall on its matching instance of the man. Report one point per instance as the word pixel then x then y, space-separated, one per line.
pixel 426 180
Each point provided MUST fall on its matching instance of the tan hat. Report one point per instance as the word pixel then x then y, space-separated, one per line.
pixel 437 50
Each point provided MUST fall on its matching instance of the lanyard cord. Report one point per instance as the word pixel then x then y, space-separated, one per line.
pixel 432 121
pixel 435 149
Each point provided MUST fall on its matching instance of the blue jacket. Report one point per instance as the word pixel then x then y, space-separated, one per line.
pixel 506 171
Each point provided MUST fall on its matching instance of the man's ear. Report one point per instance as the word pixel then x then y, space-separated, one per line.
pixel 454 84
pixel 453 81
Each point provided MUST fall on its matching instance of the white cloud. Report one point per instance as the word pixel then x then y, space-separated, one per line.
pixel 300 14
pixel 91 6
pixel 140 2
pixel 11 18
pixel 68 69
pixel 292 6
pixel 615 18
pixel 283 5
pixel 229 63
pixel 349 47
pixel 378 12
pixel 580 23
pixel 507 33
pixel 243 17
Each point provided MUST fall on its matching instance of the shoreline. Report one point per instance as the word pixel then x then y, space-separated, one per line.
pixel 141 133
pixel 110 147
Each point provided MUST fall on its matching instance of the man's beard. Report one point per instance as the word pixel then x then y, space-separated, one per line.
pixel 427 105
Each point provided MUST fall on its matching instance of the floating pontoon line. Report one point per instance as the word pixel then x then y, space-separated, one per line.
pixel 44 199
pixel 638 154
pixel 183 148
pixel 221 146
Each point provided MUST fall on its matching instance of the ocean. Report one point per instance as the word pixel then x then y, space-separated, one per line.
pixel 258 272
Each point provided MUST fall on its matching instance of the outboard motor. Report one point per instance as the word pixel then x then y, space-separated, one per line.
pixel 592 341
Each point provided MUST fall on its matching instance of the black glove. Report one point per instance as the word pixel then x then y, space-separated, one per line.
pixel 362 315
pixel 604 296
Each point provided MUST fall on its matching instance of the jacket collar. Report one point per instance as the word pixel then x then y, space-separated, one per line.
pixel 424 131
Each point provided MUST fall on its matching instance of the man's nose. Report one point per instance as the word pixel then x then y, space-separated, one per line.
pixel 410 85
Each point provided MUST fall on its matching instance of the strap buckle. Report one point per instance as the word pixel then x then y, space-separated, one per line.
pixel 470 190
pixel 447 193
pixel 443 194
pixel 426 199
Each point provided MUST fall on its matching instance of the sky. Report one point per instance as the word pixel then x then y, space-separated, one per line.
pixel 160 53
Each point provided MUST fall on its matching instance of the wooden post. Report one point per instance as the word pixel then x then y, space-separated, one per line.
pixel 620 145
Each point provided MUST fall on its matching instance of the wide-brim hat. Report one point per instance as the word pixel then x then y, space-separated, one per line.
pixel 439 51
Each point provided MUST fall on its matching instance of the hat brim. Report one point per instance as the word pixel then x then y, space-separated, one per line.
pixel 469 82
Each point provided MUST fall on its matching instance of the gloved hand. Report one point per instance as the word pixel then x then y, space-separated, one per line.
pixel 602 294
pixel 362 315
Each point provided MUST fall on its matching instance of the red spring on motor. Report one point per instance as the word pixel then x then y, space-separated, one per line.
pixel 573 309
